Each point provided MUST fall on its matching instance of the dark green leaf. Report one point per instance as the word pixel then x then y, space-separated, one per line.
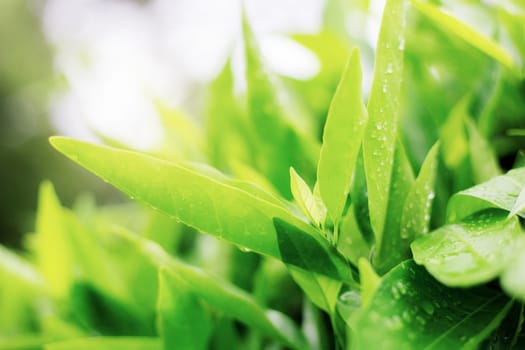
pixel 411 310
pixel 298 248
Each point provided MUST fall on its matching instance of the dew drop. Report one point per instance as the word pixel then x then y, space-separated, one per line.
pixel 401 287
pixel 394 323
pixel 406 316
pixel 401 45
pixel 245 250
pixel 421 320
pixel 428 307
pixel 395 293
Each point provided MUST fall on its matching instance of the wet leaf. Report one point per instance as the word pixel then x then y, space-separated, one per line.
pixel 499 192
pixel 411 310
pixel 417 209
pixel 380 138
pixel 193 197
pixel 473 251
pixel 519 205
pixel 343 133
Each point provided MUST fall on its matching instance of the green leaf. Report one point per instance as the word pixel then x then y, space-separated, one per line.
pixel 416 211
pixel 467 33
pixel 506 335
pixel 352 243
pixel 342 136
pixel 298 248
pixel 452 134
pixel 107 343
pixel 227 131
pixel 23 342
pixel 484 161
pixel 183 321
pixel 359 204
pixel 383 110
pixel 278 142
pixel 512 279
pixel 52 236
pixel 411 310
pixel 194 198
pixel 311 206
pixel 473 251
pixel 20 285
pixel 499 192
pixel 369 281
pixel 519 205
pixel 222 296
pixel 391 248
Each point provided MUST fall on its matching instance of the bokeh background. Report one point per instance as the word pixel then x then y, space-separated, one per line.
pixel 96 68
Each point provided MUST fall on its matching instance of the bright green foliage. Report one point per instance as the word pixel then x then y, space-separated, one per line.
pixel 499 192
pixel 402 234
pixel 519 205
pixel 472 251
pixel 272 124
pixel 384 110
pixel 415 219
pixel 343 133
pixel 311 205
pixel 52 236
pixel 183 320
pixel 466 33
pixel 228 212
pixel 369 281
pixel 120 343
pixel 411 310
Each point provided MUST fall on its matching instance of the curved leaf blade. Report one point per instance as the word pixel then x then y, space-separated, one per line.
pixel 342 136
pixel 223 296
pixel 499 192
pixel 383 110
pixel 411 310
pixel 183 322
pixel 473 251
pixel 467 33
pixel 416 211
pixel 310 204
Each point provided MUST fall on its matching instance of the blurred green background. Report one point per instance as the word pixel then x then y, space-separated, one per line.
pixel 26 82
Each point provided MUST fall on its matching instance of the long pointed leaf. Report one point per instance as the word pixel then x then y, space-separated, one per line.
pixel 211 206
pixel 416 211
pixel 343 133
pixel 383 110
pixel 467 33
